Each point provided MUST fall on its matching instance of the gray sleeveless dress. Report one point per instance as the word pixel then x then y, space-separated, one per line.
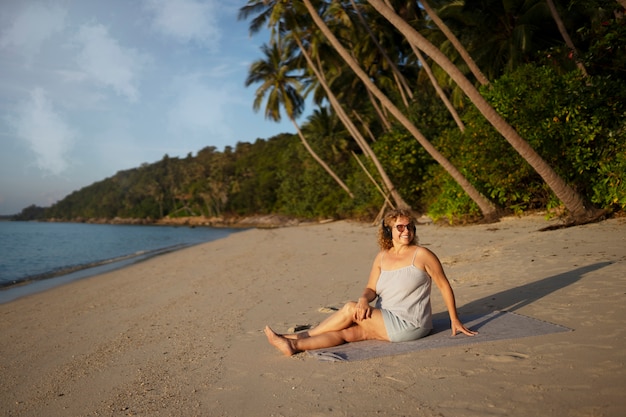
pixel 404 299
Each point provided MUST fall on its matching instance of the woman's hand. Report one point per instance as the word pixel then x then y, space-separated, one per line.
pixel 362 311
pixel 458 327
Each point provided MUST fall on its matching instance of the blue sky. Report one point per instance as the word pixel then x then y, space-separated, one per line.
pixel 92 87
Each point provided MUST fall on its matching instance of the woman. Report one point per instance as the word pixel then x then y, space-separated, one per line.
pixel 400 281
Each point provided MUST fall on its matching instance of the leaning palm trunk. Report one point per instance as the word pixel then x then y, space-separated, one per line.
pixel 566 37
pixel 356 134
pixel 439 90
pixel 380 190
pixel 383 117
pixel 456 43
pixel 320 160
pixel 364 126
pixel 403 85
pixel 575 204
pixel 486 207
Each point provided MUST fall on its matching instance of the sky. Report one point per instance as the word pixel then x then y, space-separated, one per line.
pixel 92 87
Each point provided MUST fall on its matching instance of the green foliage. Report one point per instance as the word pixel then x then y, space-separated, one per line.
pixel 367 198
pixel 576 124
pixel 447 200
pixel 269 176
pixel 306 190
pixel 30 213
pixel 610 188
pixel 406 163
pixel 606 54
pixel 255 180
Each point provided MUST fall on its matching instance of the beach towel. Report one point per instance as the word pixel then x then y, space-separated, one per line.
pixel 498 325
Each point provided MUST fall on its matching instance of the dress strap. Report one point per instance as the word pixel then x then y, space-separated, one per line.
pixel 414 256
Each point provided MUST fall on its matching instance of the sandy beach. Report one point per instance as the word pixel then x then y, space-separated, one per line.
pixel 182 334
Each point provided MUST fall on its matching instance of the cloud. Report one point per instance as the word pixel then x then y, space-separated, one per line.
pixel 31 27
pixel 199 110
pixel 186 20
pixel 45 132
pixel 106 62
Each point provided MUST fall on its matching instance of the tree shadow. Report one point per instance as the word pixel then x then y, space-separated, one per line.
pixel 515 298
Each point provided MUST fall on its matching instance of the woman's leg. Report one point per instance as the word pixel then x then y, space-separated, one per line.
pixel 372 328
pixel 292 346
pixel 341 319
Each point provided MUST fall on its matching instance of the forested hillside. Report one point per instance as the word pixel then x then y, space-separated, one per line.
pixel 268 176
pixel 535 118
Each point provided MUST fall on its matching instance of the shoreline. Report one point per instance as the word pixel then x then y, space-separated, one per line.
pixel 69 268
pixel 259 221
pixel 270 221
pixel 181 333
pixel 16 289
pixel 66 270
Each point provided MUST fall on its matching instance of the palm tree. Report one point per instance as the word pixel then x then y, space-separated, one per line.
pixel 403 85
pixel 326 127
pixel 579 209
pixel 354 132
pixel 500 34
pixel 416 15
pixel 323 126
pixel 486 207
pixel 281 88
pixel 279 16
pixel 401 79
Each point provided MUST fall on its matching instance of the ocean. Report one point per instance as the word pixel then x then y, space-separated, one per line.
pixel 35 256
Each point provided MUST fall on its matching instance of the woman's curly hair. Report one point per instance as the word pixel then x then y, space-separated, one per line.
pixel 384 240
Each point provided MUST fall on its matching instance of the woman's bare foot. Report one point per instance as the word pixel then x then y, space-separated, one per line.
pixel 279 342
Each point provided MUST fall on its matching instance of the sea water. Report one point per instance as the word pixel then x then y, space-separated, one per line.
pixel 38 255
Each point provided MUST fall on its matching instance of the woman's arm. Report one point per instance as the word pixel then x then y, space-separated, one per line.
pixel 363 309
pixel 433 267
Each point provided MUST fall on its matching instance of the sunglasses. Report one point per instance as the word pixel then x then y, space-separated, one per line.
pixel 401 227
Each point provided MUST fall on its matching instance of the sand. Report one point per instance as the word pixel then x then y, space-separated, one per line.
pixel 182 334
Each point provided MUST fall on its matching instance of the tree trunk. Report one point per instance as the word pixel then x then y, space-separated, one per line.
pixel 486 207
pixel 439 90
pixel 566 37
pixel 356 134
pixel 403 85
pixel 319 160
pixel 456 43
pixel 364 125
pixel 380 190
pixel 379 112
pixel 579 209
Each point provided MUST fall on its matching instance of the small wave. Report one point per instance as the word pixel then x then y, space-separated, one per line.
pixel 138 256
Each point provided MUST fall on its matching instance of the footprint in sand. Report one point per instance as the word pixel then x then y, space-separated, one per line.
pixel 327 309
pixel 507 357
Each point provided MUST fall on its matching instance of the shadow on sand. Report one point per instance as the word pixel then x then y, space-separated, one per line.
pixel 515 298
